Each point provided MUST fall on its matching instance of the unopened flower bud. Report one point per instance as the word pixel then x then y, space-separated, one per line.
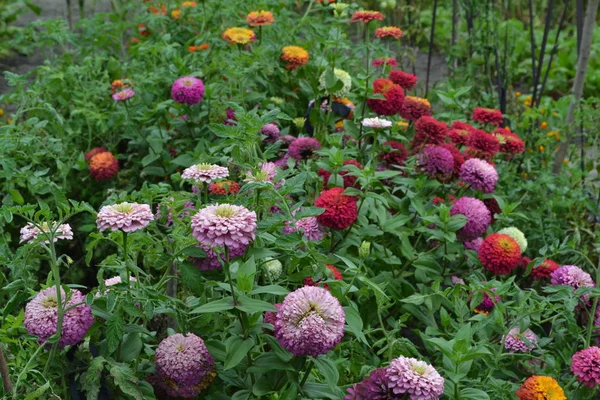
pixel 364 249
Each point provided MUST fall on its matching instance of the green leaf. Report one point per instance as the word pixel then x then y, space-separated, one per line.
pixel 474 394
pixel 191 277
pixel 214 306
pixel 270 289
pixel 250 306
pixel 39 392
pixel 131 347
pixel 90 379
pixel 355 324
pixel 314 390
pixel 268 362
pixel 114 331
pixel 16 196
pixel 276 348
pixel 327 368
pixel 237 350
pixel 126 380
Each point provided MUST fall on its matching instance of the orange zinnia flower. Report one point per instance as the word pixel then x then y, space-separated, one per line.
pixel 204 46
pixel 260 18
pixel 366 16
pixel 389 31
pixel 295 56
pixel 192 49
pixel 239 35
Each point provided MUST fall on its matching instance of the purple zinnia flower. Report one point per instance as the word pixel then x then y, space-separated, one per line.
pixel 303 148
pixel 187 90
pixel 184 367
pixel 224 225
pixel 479 174
pixel 373 387
pixel 205 173
pixel 437 162
pixel 456 280
pixel 30 232
pixel 416 378
pixel 271 316
pixel 573 276
pixel 123 95
pixel 230 119
pixel 308 226
pixel 214 260
pixel 271 131
pixel 488 303
pixel 128 217
pixel 282 162
pixel 41 316
pixel 478 217
pixel 585 364
pixel 514 340
pixel 474 244
pixel 310 322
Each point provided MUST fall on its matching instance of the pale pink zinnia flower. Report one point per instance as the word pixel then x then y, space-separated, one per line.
pixel 128 217
pixel 224 225
pixel 308 226
pixel 205 173
pixel 123 95
pixel 415 379
pixel 30 232
pixel 267 173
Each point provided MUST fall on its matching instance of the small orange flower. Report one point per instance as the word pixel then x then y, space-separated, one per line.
pixel 176 13
pixel 295 56
pixel 103 166
pixel 239 35
pixel 555 134
pixel 143 30
pixel 162 10
pixel 518 94
pixel 366 16
pixel 389 31
pixel 188 4
pixel 135 40
pixel 1 112
pixel 224 188
pixel 204 46
pixel 541 148
pixel 544 125
pixel 555 114
pixel 402 124
pixel 192 49
pixel 260 18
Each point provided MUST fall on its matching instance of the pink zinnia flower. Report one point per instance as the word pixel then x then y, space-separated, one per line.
pixel 479 174
pixel 41 316
pixel 310 321
pixel 572 275
pixel 30 232
pixel 123 95
pixel 184 367
pixel 515 343
pixel 585 364
pixel 437 162
pixel 188 90
pixel 308 226
pixel 417 379
pixel 205 173
pixel 478 217
pixel 303 148
pixel 214 259
pixel 224 225
pixel 128 217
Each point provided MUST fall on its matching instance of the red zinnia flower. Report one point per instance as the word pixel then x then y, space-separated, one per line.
pixel 349 180
pixel 462 125
pixel 488 116
pixel 404 79
pixel 428 131
pixel 366 16
pixel 387 61
pixel 340 209
pixel 388 31
pixel 394 97
pixel 93 152
pixel 395 156
pixel 458 136
pixel 337 275
pixel 482 144
pixel 500 253
pixel 103 166
pixel 414 108
pixel 459 159
pixel 546 268
pixel 510 143
pixel 224 188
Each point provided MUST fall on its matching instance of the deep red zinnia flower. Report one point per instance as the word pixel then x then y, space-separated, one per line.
pixel 510 143
pixel 394 97
pixel 404 79
pixel 337 275
pixel 340 209
pixel 544 270
pixel 462 125
pixel 414 108
pixel 93 152
pixel 458 136
pixel 378 62
pixel 500 253
pixel 487 116
pixel 428 131
pixel 224 188
pixel 394 154
pixel 103 166
pixel 366 16
pixel 459 159
pixel 349 180
pixel 482 144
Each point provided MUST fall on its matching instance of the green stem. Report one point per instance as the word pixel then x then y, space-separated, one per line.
pixel 307 373
pixel 59 302
pixel 205 193
pixel 228 274
pixel 350 228
pixel 352 280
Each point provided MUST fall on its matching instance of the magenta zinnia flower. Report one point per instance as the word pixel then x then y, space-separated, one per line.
pixel 224 225
pixel 205 173
pixel 310 322
pixel 123 95
pixel 478 217
pixel 128 217
pixel 214 260
pixel 573 276
pixel 474 244
pixel 515 343
pixel 271 131
pixel 188 90
pixel 417 379
pixel 41 316
pixel 437 162
pixel 184 367
pixel 479 174
pixel 308 226
pixel 585 364
pixel 30 232
pixel 303 148
pixel 373 387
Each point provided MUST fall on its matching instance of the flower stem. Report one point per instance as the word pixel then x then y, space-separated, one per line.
pixel 206 193
pixel 307 373
pixel 59 301
pixel 228 273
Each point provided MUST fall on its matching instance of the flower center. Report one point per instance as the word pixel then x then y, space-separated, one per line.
pixel 125 208
pixel 180 347
pixel 204 167
pixel 419 369
pixel 188 82
pixel 50 302
pixel 225 211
